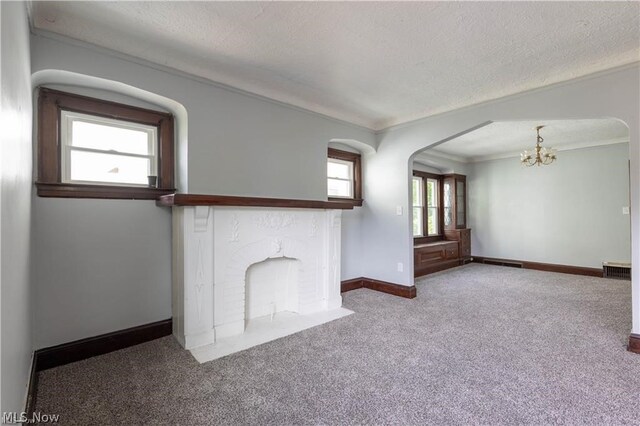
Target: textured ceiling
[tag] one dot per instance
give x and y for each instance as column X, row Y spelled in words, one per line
column 509, row 138
column 371, row 63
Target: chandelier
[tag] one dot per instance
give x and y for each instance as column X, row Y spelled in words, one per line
column 540, row 155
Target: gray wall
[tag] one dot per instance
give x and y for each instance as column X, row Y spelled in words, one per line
column 106, row 263
column 351, row 244
column 102, row 265
column 567, row 213
column 15, row 206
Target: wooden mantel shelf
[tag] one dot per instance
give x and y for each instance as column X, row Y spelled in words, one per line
column 228, row 200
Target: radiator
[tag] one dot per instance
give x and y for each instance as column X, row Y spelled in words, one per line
column 616, row 270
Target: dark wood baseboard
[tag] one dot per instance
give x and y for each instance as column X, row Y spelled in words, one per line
column 395, row 289
column 549, row 267
column 351, row 284
column 99, row 345
column 634, row 343
column 382, row 286
column 30, row 406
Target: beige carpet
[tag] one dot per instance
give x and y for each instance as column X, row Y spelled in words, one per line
column 479, row 345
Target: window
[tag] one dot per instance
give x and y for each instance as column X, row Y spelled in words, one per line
column 340, row 178
column 344, row 176
column 432, row 206
column 104, row 151
column 418, row 206
column 98, row 149
column 426, row 196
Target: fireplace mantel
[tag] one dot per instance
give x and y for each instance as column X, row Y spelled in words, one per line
column 177, row 199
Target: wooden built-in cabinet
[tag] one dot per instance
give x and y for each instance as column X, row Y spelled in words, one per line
column 453, row 251
column 463, row 237
column 455, row 246
column 434, row 257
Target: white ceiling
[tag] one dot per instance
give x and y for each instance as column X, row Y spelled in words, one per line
column 509, row 138
column 371, row 63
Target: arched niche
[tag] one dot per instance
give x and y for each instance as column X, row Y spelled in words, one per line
column 92, row 84
column 352, row 145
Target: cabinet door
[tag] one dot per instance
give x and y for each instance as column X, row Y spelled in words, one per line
column 455, row 202
column 465, row 243
column 448, row 201
column 452, row 251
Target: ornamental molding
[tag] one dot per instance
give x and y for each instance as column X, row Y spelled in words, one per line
column 273, row 220
column 235, row 229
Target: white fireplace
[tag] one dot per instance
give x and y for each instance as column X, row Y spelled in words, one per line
column 238, row 266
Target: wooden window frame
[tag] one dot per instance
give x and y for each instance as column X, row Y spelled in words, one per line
column 356, row 159
column 425, row 217
column 49, row 181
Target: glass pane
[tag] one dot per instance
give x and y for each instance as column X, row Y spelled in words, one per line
column 417, row 221
column 448, row 216
column 104, row 137
column 338, row 170
column 448, row 196
column 432, row 218
column 460, row 213
column 96, row 167
column 416, row 192
column 432, row 192
column 339, row 188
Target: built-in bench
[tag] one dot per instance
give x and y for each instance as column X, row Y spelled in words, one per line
column 444, row 254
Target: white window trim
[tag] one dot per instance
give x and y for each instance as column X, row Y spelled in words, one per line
column 66, row 120
column 351, row 179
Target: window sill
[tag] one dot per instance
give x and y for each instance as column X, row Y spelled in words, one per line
column 426, row 240
column 70, row 190
column 355, row 202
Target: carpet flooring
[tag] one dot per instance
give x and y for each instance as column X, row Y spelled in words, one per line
column 479, row 345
